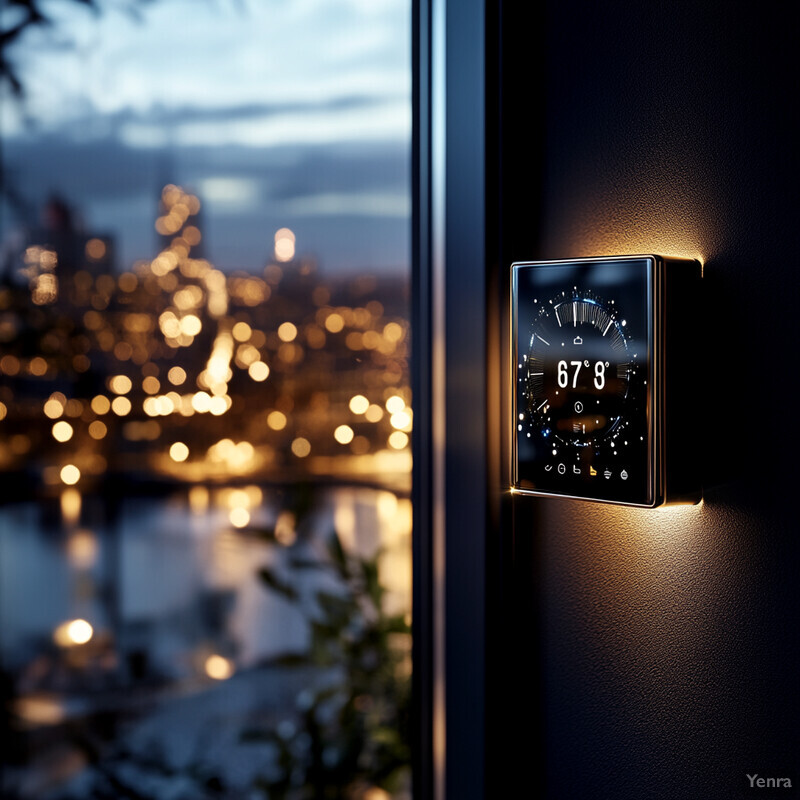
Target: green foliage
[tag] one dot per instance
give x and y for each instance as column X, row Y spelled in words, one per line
column 351, row 734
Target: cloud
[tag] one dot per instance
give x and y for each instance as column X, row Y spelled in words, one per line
column 348, row 201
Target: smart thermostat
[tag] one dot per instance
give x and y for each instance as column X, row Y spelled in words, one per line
column 605, row 362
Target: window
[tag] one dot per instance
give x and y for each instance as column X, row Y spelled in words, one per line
column 205, row 410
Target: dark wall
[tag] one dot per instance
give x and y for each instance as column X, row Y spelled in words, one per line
column 667, row 641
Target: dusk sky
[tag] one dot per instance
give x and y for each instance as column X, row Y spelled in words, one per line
column 276, row 113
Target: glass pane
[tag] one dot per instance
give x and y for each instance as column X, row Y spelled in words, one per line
column 205, row 521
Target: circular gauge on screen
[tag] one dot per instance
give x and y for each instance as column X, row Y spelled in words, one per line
column 578, row 368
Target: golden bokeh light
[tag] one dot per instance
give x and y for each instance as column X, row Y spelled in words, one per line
column 334, row 322
column 219, row 668
column 219, row 405
column 201, row 402
column 121, row 406
column 258, row 371
column 301, row 447
column 276, row 420
column 239, row 517
column 393, row 332
column 398, row 440
column 359, row 404
column 287, row 332
column 191, row 325
column 401, row 420
column 284, row 245
column 178, row 452
column 176, row 376
column 376, row 793
column 95, row 249
column 73, row 407
column 53, row 408
column 120, row 384
column 343, row 434
column 71, row 503
column 37, row 366
column 128, row 282
column 62, row 431
column 72, row 633
column 241, row 331
column 101, row 404
column 374, row 413
column 97, row 429
column 70, row 474
column 151, row 385
column 395, row 403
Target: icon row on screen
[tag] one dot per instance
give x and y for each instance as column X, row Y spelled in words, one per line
column 575, row 470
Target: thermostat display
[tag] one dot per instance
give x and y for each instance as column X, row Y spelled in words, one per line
column 588, row 367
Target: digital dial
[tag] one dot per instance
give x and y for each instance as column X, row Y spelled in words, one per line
column 577, row 370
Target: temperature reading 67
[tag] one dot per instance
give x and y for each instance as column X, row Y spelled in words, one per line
column 563, row 374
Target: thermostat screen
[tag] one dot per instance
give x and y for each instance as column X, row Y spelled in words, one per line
column 582, row 412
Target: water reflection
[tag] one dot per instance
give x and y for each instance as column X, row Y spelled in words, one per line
column 161, row 626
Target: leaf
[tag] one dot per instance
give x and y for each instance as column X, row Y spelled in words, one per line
column 289, row 660
column 306, row 563
column 337, row 553
column 338, row 609
column 369, row 569
column 278, row 585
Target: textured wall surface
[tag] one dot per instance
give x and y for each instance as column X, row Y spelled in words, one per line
column 669, row 639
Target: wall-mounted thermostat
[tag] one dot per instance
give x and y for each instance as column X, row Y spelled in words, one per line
column 605, row 366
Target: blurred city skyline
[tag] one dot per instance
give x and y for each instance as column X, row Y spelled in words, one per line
column 305, row 125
